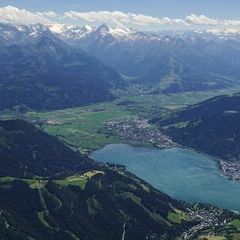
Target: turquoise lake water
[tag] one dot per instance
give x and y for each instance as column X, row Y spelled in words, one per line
column 183, row 174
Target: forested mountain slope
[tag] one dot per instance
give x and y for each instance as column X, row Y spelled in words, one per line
column 45, row 73
column 211, row 126
column 50, row 192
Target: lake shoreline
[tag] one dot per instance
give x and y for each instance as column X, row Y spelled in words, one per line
column 182, row 173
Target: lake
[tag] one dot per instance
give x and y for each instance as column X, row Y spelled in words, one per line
column 181, row 173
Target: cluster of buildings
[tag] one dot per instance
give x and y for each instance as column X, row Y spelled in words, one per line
column 44, row 122
column 231, row 170
column 207, row 219
column 139, row 130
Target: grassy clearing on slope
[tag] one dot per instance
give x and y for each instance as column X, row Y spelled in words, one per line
column 177, row 216
column 75, row 180
column 37, row 184
column 78, row 180
column 33, row 182
column 7, row 179
column 211, row 238
column 236, row 224
column 41, row 217
column 236, row 236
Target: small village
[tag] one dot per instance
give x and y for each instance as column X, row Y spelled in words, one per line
column 139, row 130
column 231, row 170
column 206, row 219
column 41, row 122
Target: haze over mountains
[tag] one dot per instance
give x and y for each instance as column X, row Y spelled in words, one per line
column 40, row 71
column 164, row 62
column 173, row 61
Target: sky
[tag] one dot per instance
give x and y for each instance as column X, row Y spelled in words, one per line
column 147, row 14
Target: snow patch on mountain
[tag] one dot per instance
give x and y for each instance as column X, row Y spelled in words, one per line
column 70, row 33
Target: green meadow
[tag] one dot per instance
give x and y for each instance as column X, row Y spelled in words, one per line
column 82, row 127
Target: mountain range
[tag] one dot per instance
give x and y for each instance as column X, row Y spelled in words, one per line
column 40, row 71
column 161, row 62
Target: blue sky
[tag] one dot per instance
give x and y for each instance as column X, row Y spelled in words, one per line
column 144, row 14
column 159, row 8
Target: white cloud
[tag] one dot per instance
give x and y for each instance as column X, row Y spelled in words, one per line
column 201, row 20
column 232, row 23
column 10, row 14
column 117, row 18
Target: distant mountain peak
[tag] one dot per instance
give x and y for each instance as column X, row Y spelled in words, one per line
column 103, row 30
column 49, row 41
column 103, row 26
column 88, row 27
column 71, row 31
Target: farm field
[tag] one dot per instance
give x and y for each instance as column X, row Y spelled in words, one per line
column 82, row 127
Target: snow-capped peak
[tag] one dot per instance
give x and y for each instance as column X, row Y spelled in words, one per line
column 225, row 31
column 57, row 28
column 119, row 32
column 37, row 29
column 88, row 28
column 14, row 34
column 116, row 32
column 71, row 31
